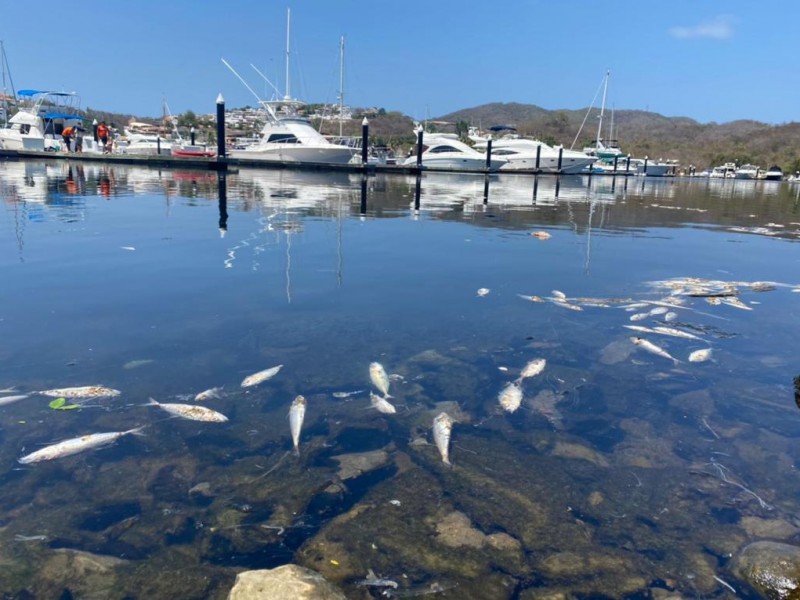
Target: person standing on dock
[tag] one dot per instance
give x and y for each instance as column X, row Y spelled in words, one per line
column 102, row 135
column 66, row 135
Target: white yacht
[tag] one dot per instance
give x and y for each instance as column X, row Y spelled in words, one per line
column 149, row 144
column 446, row 151
column 41, row 118
column 747, row 172
column 521, row 155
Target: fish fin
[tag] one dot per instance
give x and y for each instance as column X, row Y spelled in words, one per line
column 137, row 431
column 152, row 402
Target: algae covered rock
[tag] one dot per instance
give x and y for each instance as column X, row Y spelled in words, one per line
column 283, row 583
column 771, row 568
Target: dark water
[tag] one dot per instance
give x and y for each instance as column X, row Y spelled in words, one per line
column 623, row 474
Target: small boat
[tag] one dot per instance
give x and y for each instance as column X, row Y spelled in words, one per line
column 774, row 173
column 746, row 172
column 192, row 151
column 446, row 151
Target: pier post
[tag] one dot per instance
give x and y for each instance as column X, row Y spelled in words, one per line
column 220, row 126
column 628, row 165
column 486, row 187
column 94, row 130
column 560, row 158
column 191, row 134
column 364, row 141
column 488, row 161
column 645, row 165
column 535, row 186
column 417, row 191
column 158, row 144
column 616, row 159
column 558, row 184
column 419, row 148
column 363, row 208
column 538, row 156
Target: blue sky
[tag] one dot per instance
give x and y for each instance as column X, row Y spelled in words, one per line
column 708, row 60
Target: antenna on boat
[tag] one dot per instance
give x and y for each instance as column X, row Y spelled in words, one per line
column 341, row 85
column 244, row 83
column 288, row 95
column 602, row 110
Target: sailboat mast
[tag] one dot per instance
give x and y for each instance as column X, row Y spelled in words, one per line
column 288, row 25
column 341, row 86
column 602, row 110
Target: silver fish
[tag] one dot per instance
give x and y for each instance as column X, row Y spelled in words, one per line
column 675, row 333
column 346, row 394
column 559, row 294
column 379, row 378
column 190, row 411
column 209, row 394
column 670, row 316
column 533, row 368
column 297, row 412
column 535, row 298
column 659, row 310
column 700, row 355
column 11, row 399
column 483, row 292
column 442, row 426
column 76, row 445
column 639, row 316
column 261, row 376
column 735, row 302
column 639, row 328
column 373, row 580
column 382, row 405
column 84, row 392
column 653, row 349
column 564, row 304
column 510, row 397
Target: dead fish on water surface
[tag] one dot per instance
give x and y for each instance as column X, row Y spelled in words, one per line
column 483, row 292
column 11, row 399
column 533, row 368
column 373, row 580
column 442, row 427
column 190, row 411
column 379, row 378
column 84, row 392
column 653, row 349
column 382, row 405
column 297, row 412
column 510, row 397
column 341, row 395
column 675, row 333
column 209, row 394
column 700, row 355
column 261, row 376
column 76, row 445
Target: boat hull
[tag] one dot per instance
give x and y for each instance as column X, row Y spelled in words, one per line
column 547, row 164
column 338, row 155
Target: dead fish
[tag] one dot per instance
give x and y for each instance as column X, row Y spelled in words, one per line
column 735, row 302
column 261, row 376
column 659, row 310
column 639, row 328
column 190, row 411
column 540, row 235
column 567, row 305
column 8, row 390
column 714, row 301
column 510, row 397
column 700, row 355
column 209, row 394
column 11, row 399
column 653, row 349
column 379, row 378
column 559, row 294
column 297, row 412
column 533, row 368
column 84, row 392
column 483, row 292
column 442, row 426
column 373, row 580
column 76, row 445
column 347, row 394
column 675, row 333
column 29, row 538
column 382, row 405
column 135, row 364
column 639, row 316
column 635, row 306
column 535, row 298
column 670, row 316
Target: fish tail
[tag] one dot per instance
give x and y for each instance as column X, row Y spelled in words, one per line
column 152, row 402
column 136, row 431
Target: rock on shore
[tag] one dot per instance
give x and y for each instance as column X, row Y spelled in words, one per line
column 287, row 582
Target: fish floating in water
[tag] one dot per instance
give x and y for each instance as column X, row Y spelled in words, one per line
column 510, row 397
column 373, row 580
column 483, row 292
column 11, row 399
column 653, row 349
column 382, row 405
column 76, row 445
column 531, row 298
column 541, row 235
column 700, row 355
column 347, row 394
column 675, row 333
column 297, row 412
column 261, row 376
column 533, row 368
column 190, row 411
column 442, row 427
column 379, row 378
column 83, row 393
column 209, row 394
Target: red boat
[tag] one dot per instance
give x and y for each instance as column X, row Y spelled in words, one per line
column 190, row 151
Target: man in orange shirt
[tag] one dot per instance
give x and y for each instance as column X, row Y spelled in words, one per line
column 66, row 135
column 102, row 135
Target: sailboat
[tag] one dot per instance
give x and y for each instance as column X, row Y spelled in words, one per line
column 608, row 149
column 288, row 136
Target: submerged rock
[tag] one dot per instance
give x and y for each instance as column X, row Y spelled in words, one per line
column 771, row 568
column 357, row 463
column 282, row 583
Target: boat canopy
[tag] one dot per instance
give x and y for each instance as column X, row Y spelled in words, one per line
column 37, row 92
column 62, row 116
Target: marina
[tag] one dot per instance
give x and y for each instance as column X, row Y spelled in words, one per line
column 605, row 468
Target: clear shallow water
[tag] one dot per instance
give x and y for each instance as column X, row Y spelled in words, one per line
column 622, row 473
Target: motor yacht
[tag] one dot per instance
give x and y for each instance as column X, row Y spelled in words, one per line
column 746, row 172
column 41, row 118
column 446, row 151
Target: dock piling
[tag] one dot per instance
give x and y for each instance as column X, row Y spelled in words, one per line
column 419, row 148
column 628, row 165
column 538, row 156
column 365, row 142
column 94, row 130
column 223, row 203
column 488, row 158
column 220, row 126
column 191, row 134
column 560, row 158
column 645, row 165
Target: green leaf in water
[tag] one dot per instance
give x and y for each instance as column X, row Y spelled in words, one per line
column 58, row 403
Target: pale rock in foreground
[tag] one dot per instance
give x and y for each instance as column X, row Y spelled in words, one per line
column 283, row 583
